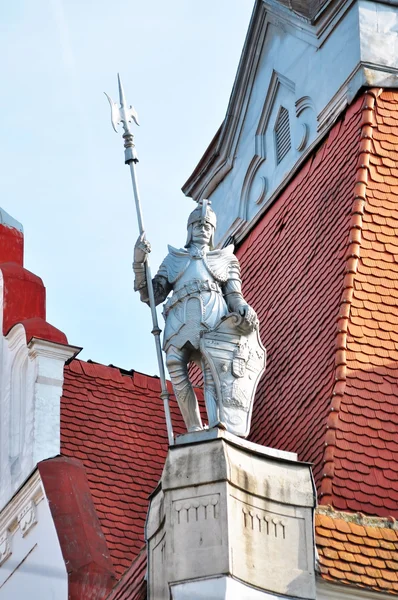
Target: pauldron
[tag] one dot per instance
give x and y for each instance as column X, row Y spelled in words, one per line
column 219, row 263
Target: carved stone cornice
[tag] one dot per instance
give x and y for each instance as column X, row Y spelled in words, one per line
column 20, row 513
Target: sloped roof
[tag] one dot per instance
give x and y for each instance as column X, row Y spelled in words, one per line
column 113, row 422
column 361, row 461
column 357, row 550
column 133, row 585
column 325, row 254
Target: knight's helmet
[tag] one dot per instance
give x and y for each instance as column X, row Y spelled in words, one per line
column 205, row 214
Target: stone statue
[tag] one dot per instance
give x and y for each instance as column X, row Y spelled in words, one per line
column 208, row 322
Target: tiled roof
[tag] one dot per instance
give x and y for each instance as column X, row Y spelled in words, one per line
column 133, row 584
column 320, row 269
column 293, row 269
column 326, row 256
column 114, row 424
column 361, row 461
column 357, row 550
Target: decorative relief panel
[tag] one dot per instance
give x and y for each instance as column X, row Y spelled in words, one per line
column 262, row 523
column 199, row 509
column 196, row 524
column 284, row 128
column 5, row 547
column 273, row 531
column 27, row 518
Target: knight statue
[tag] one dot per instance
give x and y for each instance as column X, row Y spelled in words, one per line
column 208, row 322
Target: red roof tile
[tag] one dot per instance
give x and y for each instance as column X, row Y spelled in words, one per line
column 133, row 585
column 321, row 270
column 113, row 422
column 365, row 439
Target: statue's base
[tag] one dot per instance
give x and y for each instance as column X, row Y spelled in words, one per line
column 206, row 435
column 230, row 519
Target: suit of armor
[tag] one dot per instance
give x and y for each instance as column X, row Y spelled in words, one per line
column 206, row 286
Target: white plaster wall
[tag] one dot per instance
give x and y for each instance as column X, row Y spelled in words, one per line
column 31, row 379
column 35, row 569
column 17, row 377
column 219, row 588
column 378, row 34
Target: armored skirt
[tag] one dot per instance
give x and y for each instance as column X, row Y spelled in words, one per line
column 193, row 314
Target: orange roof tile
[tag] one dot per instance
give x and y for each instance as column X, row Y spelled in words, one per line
column 351, row 550
column 365, row 439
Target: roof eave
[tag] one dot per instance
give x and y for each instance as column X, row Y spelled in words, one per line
column 216, row 155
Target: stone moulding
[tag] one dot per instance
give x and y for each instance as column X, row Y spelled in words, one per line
column 5, row 548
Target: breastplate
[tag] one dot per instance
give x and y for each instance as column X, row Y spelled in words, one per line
column 196, row 270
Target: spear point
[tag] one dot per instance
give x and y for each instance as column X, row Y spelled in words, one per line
column 124, row 114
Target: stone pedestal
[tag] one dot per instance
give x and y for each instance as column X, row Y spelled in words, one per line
column 231, row 519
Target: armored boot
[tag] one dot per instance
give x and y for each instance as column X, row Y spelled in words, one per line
column 176, row 360
column 189, row 407
column 212, row 408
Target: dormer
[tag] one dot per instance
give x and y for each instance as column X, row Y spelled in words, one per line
column 301, row 65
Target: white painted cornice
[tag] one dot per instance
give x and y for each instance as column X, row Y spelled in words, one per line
column 31, row 381
column 334, row 591
column 31, row 491
column 47, row 349
column 220, row 155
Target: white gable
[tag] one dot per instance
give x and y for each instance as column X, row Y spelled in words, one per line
column 312, row 69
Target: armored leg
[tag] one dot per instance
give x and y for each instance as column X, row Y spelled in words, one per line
column 210, row 394
column 177, row 364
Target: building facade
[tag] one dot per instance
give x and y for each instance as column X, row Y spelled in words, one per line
column 303, row 177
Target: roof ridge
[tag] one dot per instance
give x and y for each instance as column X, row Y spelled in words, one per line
column 128, row 372
column 352, row 259
column 358, row 518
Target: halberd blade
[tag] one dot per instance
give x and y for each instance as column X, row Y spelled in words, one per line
column 115, row 113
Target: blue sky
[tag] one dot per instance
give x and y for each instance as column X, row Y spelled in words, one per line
column 62, row 170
